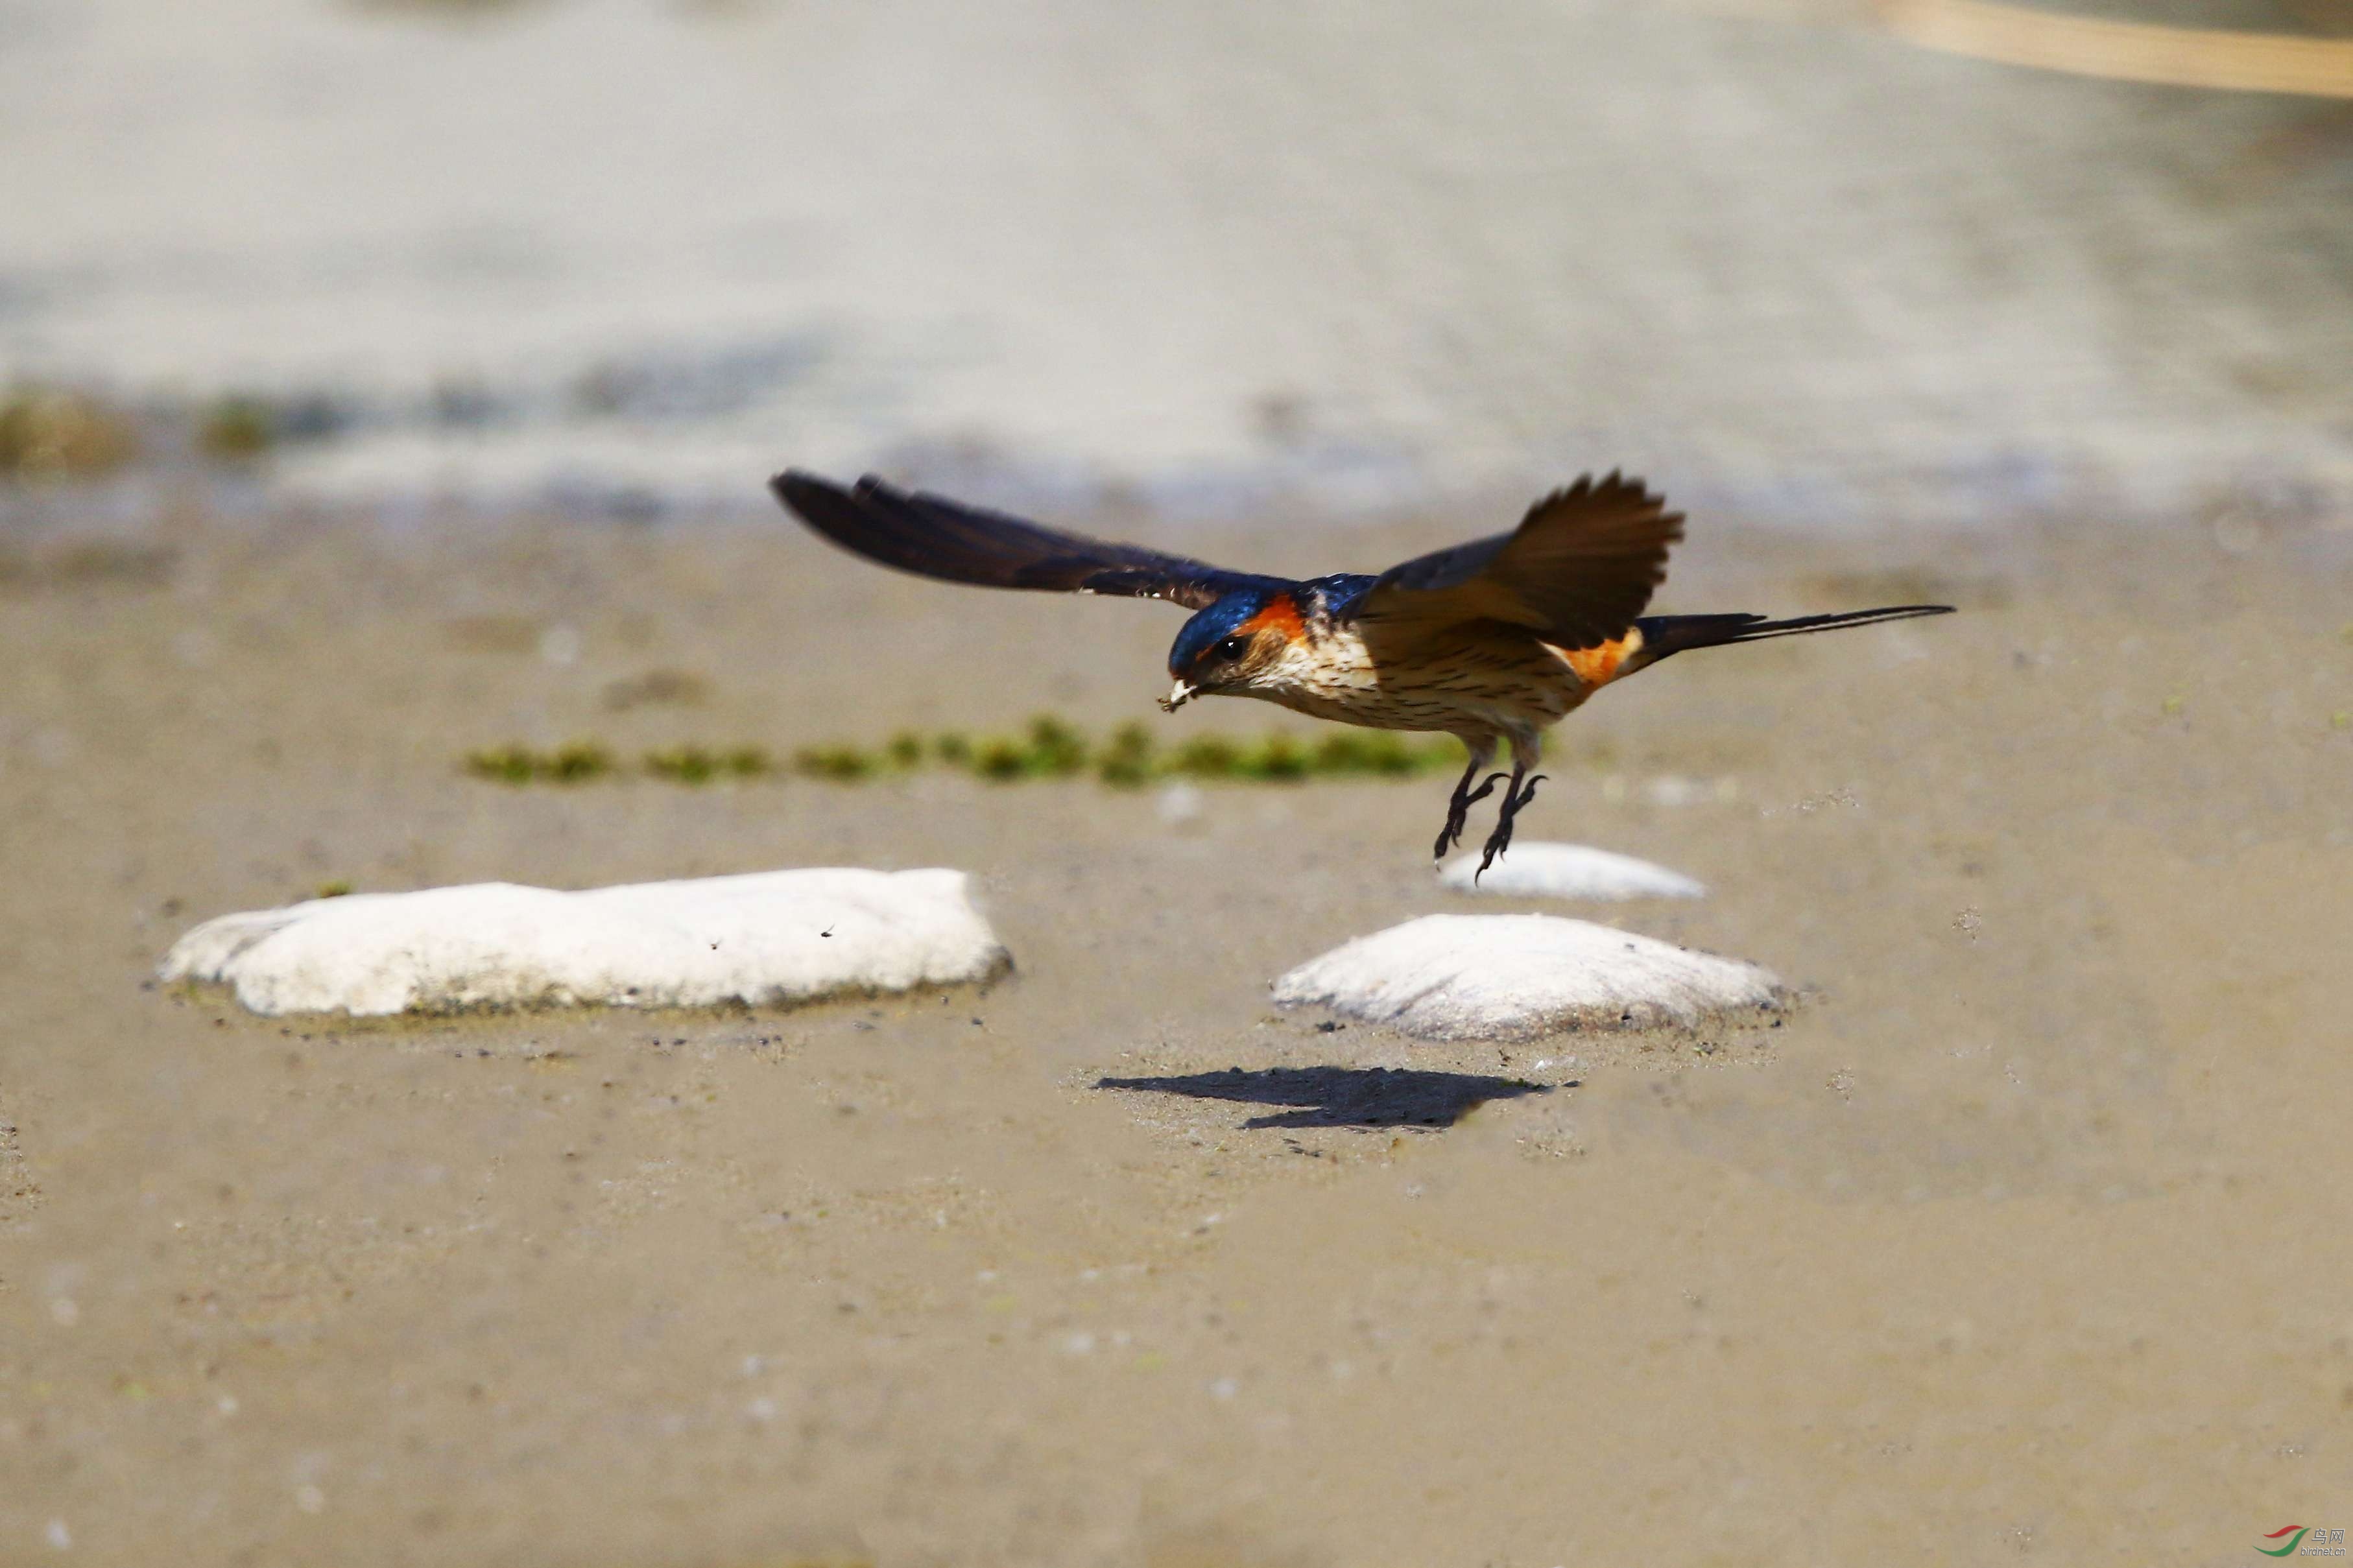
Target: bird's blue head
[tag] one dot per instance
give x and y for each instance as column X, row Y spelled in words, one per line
column 1228, row 645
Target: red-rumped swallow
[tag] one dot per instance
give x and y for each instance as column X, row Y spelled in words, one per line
column 1493, row 642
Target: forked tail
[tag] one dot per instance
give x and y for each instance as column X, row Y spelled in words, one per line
column 1664, row 634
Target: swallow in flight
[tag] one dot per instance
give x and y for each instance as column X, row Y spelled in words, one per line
column 1493, row 641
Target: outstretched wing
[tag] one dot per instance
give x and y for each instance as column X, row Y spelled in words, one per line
column 1576, row 571
column 933, row 537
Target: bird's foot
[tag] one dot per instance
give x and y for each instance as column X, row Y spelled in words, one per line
column 1458, row 812
column 1501, row 839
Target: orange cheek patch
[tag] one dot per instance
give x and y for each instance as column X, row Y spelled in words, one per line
column 1280, row 613
column 1595, row 666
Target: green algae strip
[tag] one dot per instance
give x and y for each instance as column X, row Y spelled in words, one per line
column 1050, row 748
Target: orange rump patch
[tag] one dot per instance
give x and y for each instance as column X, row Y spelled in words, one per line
column 1282, row 612
column 1598, row 666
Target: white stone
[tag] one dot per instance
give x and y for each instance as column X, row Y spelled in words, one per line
column 765, row 938
column 1541, row 871
column 1515, row 977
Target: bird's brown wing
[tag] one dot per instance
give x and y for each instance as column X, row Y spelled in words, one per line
column 932, row 536
column 1576, row 571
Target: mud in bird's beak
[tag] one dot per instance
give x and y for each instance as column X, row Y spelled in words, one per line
column 1178, row 695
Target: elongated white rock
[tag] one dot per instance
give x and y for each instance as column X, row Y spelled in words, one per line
column 765, row 938
column 1541, row 871
column 1514, row 977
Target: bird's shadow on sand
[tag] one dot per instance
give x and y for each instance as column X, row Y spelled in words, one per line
column 1341, row 1097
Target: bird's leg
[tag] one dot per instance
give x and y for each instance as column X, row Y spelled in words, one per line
column 1458, row 808
column 1514, row 797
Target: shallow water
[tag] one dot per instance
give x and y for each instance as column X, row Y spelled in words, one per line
column 1200, row 253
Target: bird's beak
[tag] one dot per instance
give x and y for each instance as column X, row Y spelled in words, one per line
column 1180, row 694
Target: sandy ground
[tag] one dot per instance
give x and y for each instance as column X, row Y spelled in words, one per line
column 2023, row 1240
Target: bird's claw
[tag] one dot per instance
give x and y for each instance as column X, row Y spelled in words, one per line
column 1501, row 839
column 1457, row 813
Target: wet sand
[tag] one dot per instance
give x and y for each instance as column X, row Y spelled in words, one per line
column 2022, row 1240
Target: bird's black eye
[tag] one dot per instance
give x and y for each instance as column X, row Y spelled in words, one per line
column 1232, row 647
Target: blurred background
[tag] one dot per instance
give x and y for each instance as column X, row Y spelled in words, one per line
column 1821, row 264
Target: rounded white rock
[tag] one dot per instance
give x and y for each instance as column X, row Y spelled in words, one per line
column 1517, row 977
column 1543, row 870
column 764, row 938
